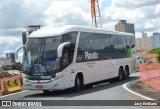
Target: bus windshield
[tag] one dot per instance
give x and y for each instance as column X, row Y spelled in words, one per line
column 41, row 55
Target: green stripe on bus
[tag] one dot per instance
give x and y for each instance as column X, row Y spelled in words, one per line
column 27, row 77
column 128, row 52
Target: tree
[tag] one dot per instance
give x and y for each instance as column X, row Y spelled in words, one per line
column 158, row 57
column 155, row 51
column 16, row 66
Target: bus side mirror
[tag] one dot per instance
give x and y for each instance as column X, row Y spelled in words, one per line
column 60, row 48
column 17, row 50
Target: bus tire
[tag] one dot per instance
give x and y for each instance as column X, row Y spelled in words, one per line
column 121, row 74
column 126, row 73
column 78, row 83
column 45, row 91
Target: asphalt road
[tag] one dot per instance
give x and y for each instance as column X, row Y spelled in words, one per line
column 112, row 91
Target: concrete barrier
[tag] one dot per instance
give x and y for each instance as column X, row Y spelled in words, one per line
column 1, row 87
column 11, row 84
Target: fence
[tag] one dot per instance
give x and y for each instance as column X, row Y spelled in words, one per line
column 150, row 75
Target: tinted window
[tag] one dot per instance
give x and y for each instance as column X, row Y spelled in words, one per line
column 52, row 43
column 130, row 41
column 113, row 42
column 68, row 51
column 105, row 41
column 127, row 41
column 84, row 41
column 133, row 41
column 90, row 41
column 95, row 43
column 49, row 51
column 120, row 42
column 70, row 37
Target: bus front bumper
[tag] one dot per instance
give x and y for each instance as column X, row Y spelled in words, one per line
column 43, row 85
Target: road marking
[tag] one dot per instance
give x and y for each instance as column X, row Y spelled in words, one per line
column 13, row 94
column 142, row 96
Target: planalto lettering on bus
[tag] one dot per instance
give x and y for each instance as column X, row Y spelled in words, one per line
column 91, row 55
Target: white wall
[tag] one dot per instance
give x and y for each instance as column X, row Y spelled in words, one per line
column 5, row 62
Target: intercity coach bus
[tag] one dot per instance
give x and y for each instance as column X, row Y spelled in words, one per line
column 72, row 56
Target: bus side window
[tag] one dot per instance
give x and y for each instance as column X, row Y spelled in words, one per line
column 68, row 51
column 65, row 60
column 84, row 42
column 70, row 37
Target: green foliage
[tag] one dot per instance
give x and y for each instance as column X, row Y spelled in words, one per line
column 16, row 66
column 155, row 51
column 158, row 57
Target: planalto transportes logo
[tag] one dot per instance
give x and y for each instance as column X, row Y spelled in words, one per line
column 87, row 56
column 91, row 55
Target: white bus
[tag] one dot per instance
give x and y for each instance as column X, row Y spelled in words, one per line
column 72, row 56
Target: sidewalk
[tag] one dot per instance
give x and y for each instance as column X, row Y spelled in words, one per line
column 140, row 88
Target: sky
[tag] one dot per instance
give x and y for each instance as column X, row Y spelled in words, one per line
column 15, row 14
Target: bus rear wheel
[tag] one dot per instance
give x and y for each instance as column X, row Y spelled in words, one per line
column 126, row 73
column 78, row 83
column 121, row 74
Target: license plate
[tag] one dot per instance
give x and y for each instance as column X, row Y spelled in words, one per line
column 39, row 86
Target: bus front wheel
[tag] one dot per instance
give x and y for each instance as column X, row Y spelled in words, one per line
column 78, row 83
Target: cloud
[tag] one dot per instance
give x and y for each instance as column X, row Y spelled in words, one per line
column 144, row 14
column 18, row 13
column 15, row 14
column 9, row 40
column 134, row 3
column 9, row 43
column 67, row 12
column 8, row 51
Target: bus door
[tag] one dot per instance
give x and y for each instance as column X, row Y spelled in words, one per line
column 67, row 59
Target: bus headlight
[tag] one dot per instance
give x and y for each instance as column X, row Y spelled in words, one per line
column 25, row 80
column 58, row 76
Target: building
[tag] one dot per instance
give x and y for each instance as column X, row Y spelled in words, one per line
column 144, row 41
column 5, row 62
column 29, row 30
column 123, row 26
column 139, row 53
column 138, row 43
column 141, row 43
column 11, row 57
column 144, row 59
column 148, row 43
column 156, row 40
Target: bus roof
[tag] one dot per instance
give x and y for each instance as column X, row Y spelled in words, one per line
column 55, row 31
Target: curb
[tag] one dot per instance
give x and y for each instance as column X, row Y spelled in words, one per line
column 3, row 96
column 131, row 91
